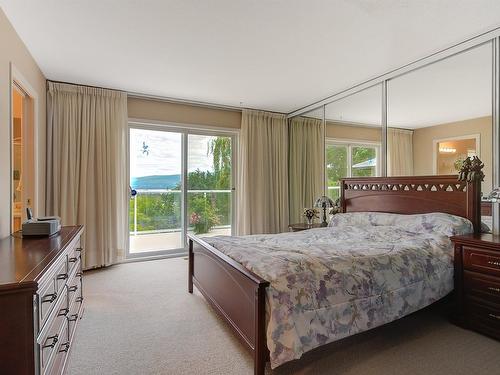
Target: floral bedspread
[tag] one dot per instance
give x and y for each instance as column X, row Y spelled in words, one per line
column 364, row 270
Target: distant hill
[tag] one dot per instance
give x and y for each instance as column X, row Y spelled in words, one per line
column 155, row 182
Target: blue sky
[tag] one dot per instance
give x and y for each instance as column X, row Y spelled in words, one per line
column 164, row 157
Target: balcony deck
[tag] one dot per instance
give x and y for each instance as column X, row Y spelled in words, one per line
column 143, row 243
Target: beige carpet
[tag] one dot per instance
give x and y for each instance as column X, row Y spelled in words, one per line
column 139, row 319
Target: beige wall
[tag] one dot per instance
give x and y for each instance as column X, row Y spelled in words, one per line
column 423, row 144
column 156, row 110
column 14, row 51
column 343, row 131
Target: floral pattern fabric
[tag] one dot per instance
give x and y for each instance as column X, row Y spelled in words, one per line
column 364, row 270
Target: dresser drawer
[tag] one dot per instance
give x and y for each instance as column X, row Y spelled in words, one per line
column 481, row 260
column 51, row 288
column 483, row 317
column 74, row 256
column 75, row 313
column 53, row 334
column 482, row 286
column 74, row 286
column 60, row 354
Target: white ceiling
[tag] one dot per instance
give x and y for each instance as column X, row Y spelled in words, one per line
column 277, row 55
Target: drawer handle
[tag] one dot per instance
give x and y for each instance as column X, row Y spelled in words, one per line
column 73, row 288
column 494, row 289
column 494, row 263
column 54, row 339
column 74, row 317
column 65, row 349
column 63, row 312
column 62, row 276
column 79, row 299
column 79, row 249
column 72, row 259
column 79, row 274
column 49, row 297
column 494, row 316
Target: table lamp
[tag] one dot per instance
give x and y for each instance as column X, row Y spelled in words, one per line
column 324, row 203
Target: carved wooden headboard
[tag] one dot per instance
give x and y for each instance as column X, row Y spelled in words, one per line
column 413, row 195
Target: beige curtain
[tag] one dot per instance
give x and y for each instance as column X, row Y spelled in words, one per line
column 399, row 152
column 86, row 163
column 306, row 165
column 262, row 188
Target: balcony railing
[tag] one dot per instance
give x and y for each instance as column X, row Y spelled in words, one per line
column 143, row 193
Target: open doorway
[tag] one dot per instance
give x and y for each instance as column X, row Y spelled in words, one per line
column 22, row 155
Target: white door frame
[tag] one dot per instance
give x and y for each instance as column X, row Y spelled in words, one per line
column 476, row 136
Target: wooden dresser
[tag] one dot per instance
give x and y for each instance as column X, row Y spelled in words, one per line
column 40, row 301
column 477, row 282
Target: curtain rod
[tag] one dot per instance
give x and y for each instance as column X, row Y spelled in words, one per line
column 166, row 99
column 184, row 101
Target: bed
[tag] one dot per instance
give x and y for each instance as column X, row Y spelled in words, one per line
column 321, row 285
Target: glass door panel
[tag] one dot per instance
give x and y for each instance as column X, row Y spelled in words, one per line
column 209, row 182
column 336, row 168
column 155, row 215
column 364, row 161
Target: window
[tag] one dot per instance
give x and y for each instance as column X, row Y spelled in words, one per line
column 345, row 159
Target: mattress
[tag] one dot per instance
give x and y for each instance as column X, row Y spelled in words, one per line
column 364, row 270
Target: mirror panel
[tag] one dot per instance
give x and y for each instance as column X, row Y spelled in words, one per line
column 440, row 114
column 353, row 138
column 305, row 162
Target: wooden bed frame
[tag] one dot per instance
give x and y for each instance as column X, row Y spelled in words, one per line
column 238, row 294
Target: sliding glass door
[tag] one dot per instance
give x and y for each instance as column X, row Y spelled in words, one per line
column 209, row 181
column 181, row 181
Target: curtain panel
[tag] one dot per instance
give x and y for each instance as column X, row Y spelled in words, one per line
column 86, row 167
column 262, row 173
column 306, row 164
column 399, row 152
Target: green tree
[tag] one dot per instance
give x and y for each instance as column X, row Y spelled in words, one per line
column 336, row 164
column 362, row 154
column 220, row 149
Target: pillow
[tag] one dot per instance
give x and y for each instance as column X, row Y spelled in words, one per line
column 364, row 219
column 436, row 222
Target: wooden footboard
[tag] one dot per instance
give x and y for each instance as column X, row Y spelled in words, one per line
column 237, row 294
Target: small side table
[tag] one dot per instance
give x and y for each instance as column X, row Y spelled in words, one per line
column 303, row 226
column 477, row 282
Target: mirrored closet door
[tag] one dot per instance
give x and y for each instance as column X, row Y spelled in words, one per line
column 441, row 114
column 353, row 142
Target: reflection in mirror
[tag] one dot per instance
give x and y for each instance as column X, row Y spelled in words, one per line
column 305, row 163
column 353, row 138
column 441, row 114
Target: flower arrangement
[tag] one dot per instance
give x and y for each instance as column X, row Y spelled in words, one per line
column 310, row 214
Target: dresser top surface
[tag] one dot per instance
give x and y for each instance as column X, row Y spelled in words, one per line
column 23, row 260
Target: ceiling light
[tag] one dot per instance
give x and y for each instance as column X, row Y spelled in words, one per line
column 447, row 150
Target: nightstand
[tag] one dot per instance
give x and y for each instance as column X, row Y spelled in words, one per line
column 477, row 282
column 303, row 226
